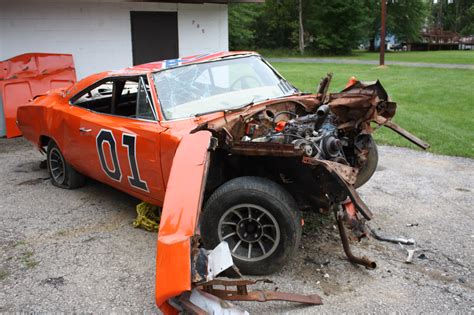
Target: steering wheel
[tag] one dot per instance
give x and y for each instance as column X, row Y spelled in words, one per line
column 244, row 81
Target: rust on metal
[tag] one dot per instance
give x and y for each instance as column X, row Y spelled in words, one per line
column 241, row 292
column 190, row 307
column 348, row 173
column 402, row 132
column 262, row 149
column 364, row 261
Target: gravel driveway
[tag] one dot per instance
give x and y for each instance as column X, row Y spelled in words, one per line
column 76, row 251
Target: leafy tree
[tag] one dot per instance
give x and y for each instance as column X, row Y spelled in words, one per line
column 457, row 16
column 330, row 26
column 278, row 24
column 335, row 26
column 405, row 19
column 242, row 25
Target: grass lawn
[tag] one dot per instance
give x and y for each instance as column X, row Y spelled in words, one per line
column 451, row 57
column 437, row 105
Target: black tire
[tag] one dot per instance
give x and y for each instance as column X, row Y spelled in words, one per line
column 270, row 209
column 370, row 165
column 62, row 174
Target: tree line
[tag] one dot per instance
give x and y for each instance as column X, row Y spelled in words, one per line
column 338, row 26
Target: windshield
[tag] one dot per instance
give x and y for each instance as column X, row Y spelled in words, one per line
column 219, row 85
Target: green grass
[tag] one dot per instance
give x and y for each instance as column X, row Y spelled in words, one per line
column 3, row 274
column 437, row 105
column 450, row 57
column 28, row 259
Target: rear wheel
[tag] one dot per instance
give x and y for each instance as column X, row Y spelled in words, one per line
column 258, row 219
column 62, row 174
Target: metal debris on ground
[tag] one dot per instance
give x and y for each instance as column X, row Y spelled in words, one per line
column 410, row 253
column 392, row 239
column 148, row 217
column 209, row 295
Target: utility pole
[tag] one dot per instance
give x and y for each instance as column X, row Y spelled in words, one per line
column 382, row 32
column 301, row 33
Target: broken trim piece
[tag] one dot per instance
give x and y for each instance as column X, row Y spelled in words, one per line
column 241, row 292
column 402, row 132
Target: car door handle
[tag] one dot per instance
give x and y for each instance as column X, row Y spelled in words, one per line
column 84, row 129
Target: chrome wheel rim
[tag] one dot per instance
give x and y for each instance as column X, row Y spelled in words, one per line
column 251, row 231
column 57, row 166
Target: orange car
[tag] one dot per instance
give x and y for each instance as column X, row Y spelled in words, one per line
column 225, row 131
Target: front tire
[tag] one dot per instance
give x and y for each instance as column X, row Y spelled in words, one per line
column 368, row 169
column 62, row 174
column 258, row 219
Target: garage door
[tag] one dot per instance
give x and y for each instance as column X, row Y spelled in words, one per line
column 154, row 36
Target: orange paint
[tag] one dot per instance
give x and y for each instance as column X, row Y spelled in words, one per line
column 179, row 217
column 170, row 160
column 351, row 82
column 280, row 125
column 25, row 76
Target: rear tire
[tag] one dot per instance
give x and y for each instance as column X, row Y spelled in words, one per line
column 258, row 219
column 62, row 174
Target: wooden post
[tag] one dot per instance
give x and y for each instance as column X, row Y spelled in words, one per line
column 382, row 32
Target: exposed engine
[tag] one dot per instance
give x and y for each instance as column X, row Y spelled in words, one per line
column 315, row 134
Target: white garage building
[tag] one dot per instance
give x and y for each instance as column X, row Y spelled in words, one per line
column 112, row 34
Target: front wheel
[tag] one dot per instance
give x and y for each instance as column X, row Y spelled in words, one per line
column 258, row 219
column 370, row 165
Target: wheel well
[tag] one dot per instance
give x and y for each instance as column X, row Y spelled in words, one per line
column 224, row 167
column 44, row 141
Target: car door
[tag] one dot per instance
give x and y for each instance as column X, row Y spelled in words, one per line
column 119, row 144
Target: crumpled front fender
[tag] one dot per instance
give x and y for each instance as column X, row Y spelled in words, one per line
column 179, row 218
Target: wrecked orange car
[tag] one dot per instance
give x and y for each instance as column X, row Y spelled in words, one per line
column 230, row 150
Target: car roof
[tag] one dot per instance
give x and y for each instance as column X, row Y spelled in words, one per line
column 173, row 63
column 155, row 66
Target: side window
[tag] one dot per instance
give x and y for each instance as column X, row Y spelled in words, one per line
column 144, row 105
column 125, row 102
column 98, row 99
column 125, row 97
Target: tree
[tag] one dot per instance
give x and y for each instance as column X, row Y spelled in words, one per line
column 335, row 26
column 242, row 28
column 278, row 24
column 301, row 27
column 456, row 17
column 327, row 26
column 405, row 19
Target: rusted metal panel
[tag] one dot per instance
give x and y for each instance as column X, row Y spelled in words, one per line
column 402, row 132
column 25, row 76
column 346, row 172
column 262, row 149
column 364, row 261
column 242, row 293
